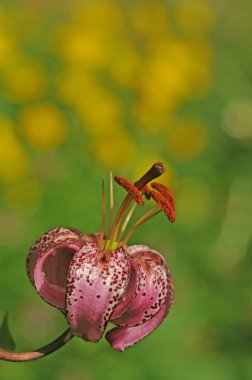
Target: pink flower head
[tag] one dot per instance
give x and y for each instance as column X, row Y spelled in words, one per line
column 99, row 278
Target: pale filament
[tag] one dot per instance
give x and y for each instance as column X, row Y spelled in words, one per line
column 103, row 214
column 155, row 171
column 127, row 219
column 147, row 216
column 111, row 202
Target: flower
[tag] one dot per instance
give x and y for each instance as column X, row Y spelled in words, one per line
column 99, row 278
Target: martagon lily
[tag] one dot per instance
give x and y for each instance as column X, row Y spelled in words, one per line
column 99, row 278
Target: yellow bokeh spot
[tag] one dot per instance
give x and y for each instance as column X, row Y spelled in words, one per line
column 150, row 19
column 186, row 12
column 24, row 80
column 43, row 126
column 153, row 118
column 197, row 71
column 99, row 109
column 84, row 47
column 173, row 72
column 125, row 65
column 101, row 112
column 7, row 47
column 193, row 202
column 105, row 15
column 73, row 84
column 23, row 195
column 115, row 151
column 92, row 34
column 14, row 162
column 187, row 140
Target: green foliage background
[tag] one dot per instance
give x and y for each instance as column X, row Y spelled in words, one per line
column 91, row 86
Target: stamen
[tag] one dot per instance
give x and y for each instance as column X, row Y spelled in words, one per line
column 147, row 216
column 111, row 201
column 103, row 213
column 131, row 189
column 167, row 193
column 164, row 204
column 126, row 222
column 155, row 171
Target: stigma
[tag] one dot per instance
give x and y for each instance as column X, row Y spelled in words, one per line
column 137, row 193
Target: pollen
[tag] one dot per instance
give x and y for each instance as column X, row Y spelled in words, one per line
column 162, row 201
column 167, row 193
column 131, row 189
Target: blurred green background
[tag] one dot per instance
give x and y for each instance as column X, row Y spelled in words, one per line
column 89, row 86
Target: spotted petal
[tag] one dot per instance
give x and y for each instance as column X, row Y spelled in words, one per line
column 95, row 284
column 121, row 337
column 128, row 296
column 48, row 261
column 151, row 288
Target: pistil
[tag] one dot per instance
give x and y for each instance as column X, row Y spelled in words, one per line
column 155, row 171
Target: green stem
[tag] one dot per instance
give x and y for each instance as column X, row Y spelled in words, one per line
column 40, row 352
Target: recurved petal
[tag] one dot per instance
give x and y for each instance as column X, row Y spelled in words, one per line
column 135, row 248
column 95, row 284
column 151, row 288
column 121, row 337
column 48, row 261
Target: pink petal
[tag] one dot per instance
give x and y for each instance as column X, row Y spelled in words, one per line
column 151, row 289
column 127, row 297
column 121, row 338
column 136, row 248
column 48, row 262
column 96, row 282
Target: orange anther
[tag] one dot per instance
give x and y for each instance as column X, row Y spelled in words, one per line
column 131, row 189
column 167, row 193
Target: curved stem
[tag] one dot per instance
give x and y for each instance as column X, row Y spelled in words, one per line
column 40, row 352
